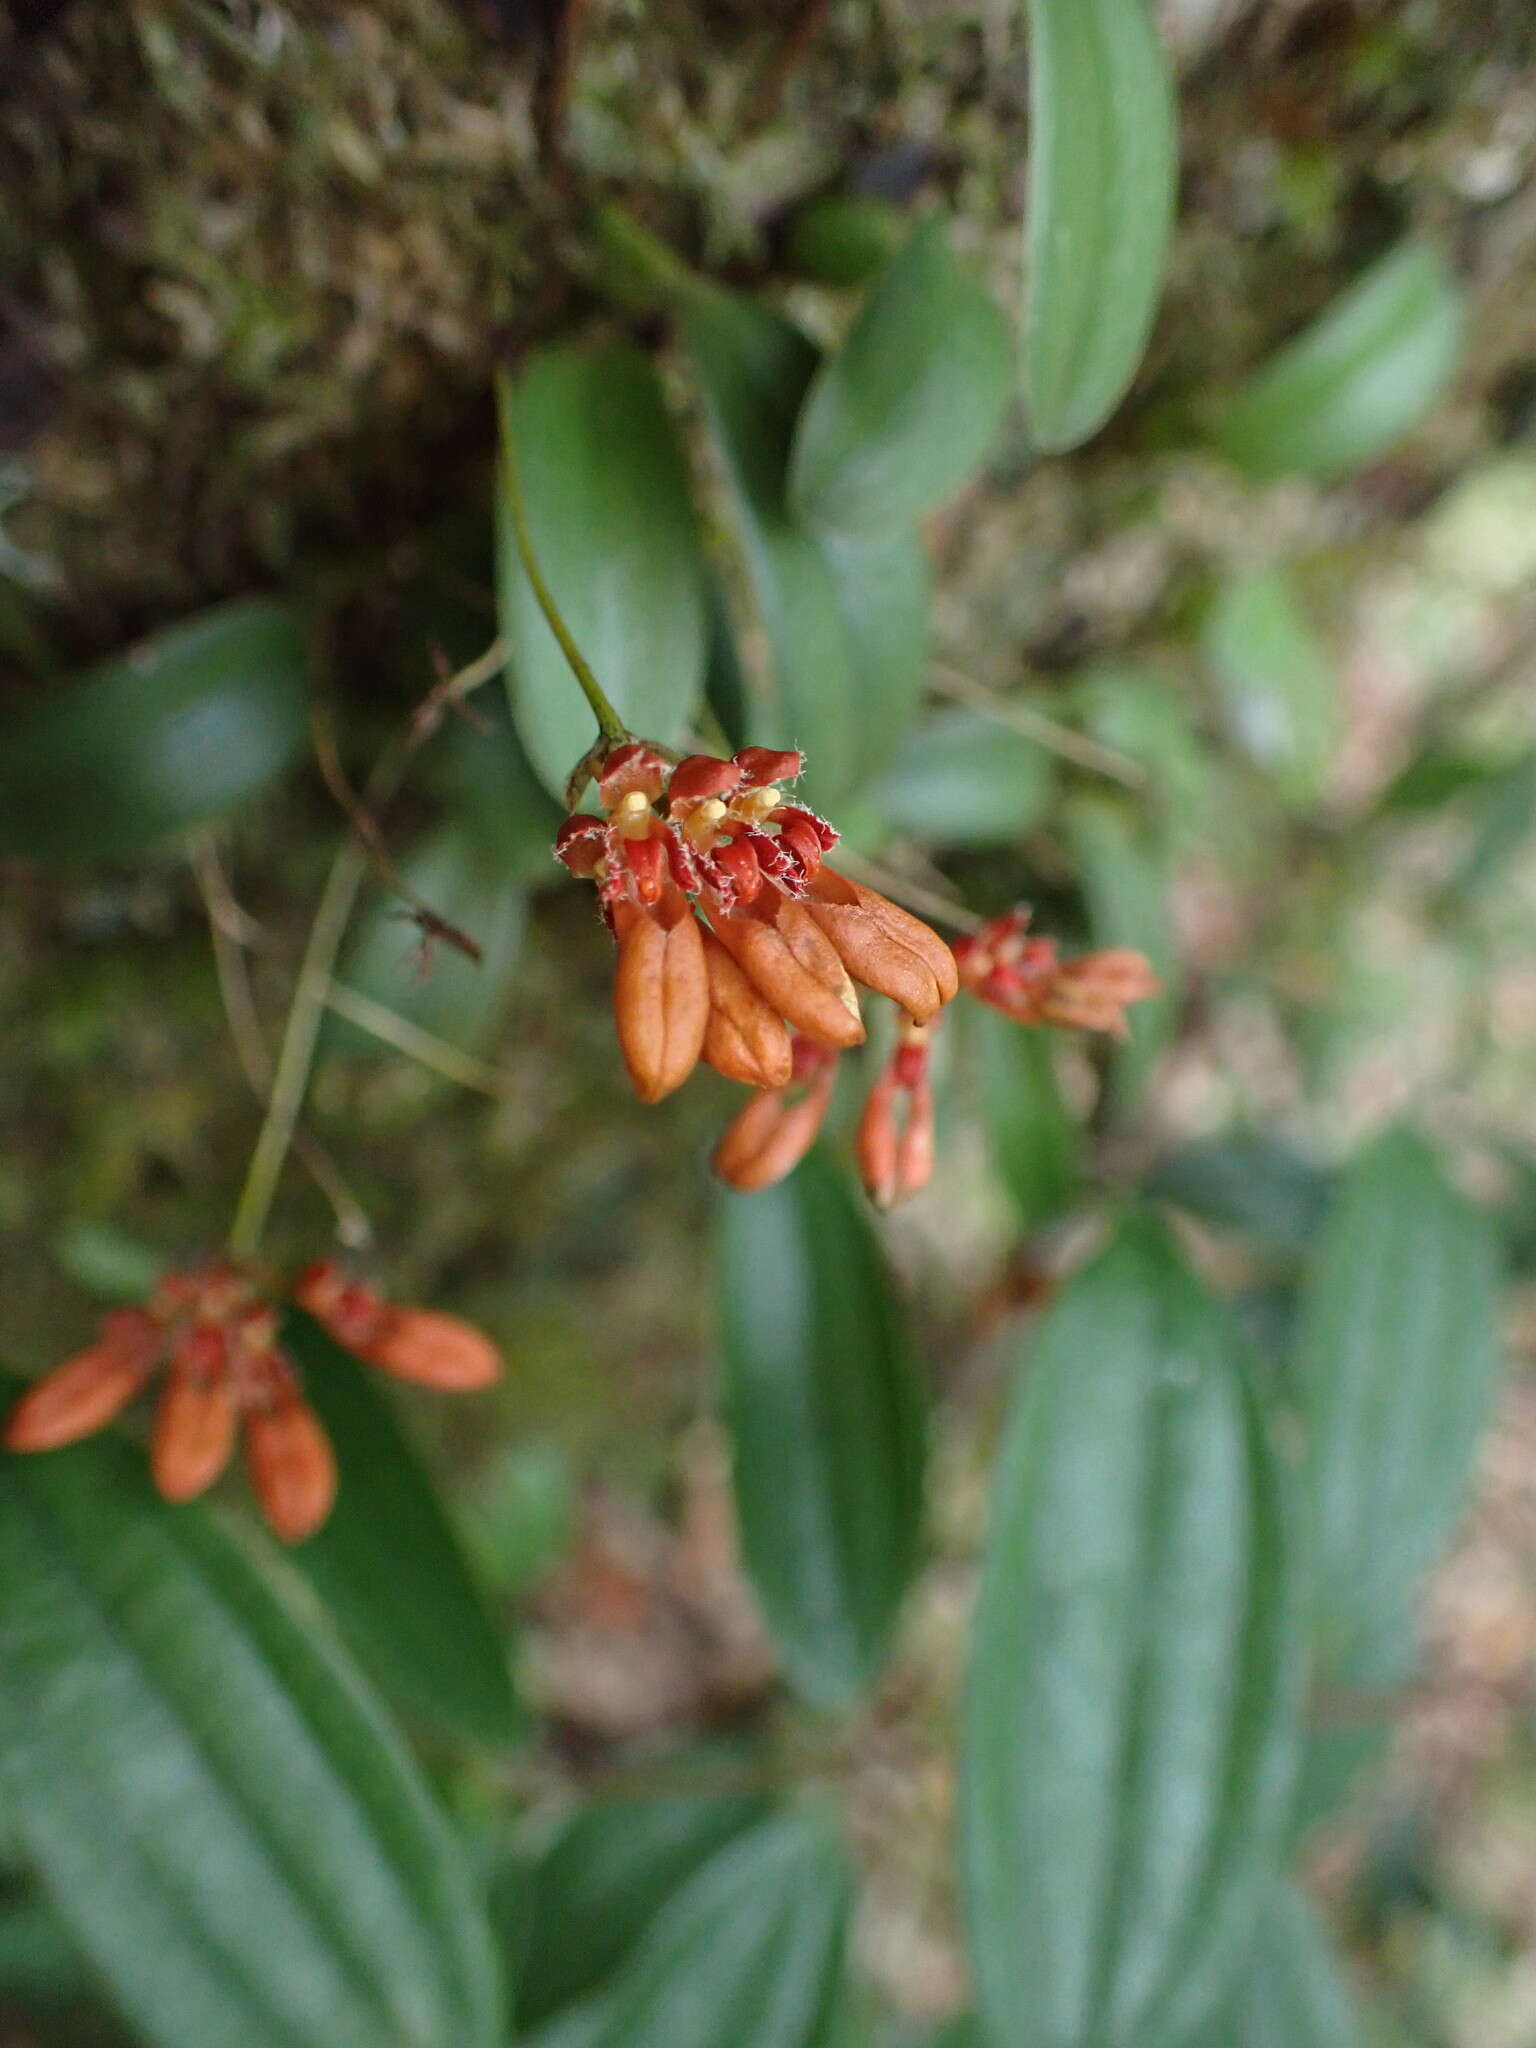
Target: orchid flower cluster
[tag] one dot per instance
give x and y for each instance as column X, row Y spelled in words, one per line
column 739, row 946
column 212, row 1333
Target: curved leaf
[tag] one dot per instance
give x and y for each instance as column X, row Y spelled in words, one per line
column 964, row 780
column 903, row 411
column 225, row 1821
column 603, row 1880
column 616, row 540
column 1397, row 1352
column 161, row 738
column 1133, row 1692
column 458, row 1000
column 388, row 1563
column 753, row 370
column 843, row 238
column 826, row 1414
column 1103, row 168
column 749, row 1953
column 1035, row 1143
column 1360, row 378
column 1282, row 696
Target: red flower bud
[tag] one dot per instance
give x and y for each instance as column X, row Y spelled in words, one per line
column 701, row 776
column 762, row 766
column 660, row 995
column 769, row 1137
column 434, row 1350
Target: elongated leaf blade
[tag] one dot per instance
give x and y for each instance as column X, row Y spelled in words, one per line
column 750, row 1952
column 225, row 1820
column 903, row 411
column 753, row 369
column 615, row 538
column 1035, row 1143
column 826, row 1416
column 882, row 586
column 1397, row 1354
column 963, row 780
column 440, row 991
column 389, row 1564
column 602, row 1882
column 1133, row 1697
column 1293, row 1993
column 1360, row 378
column 1103, row 168
column 178, row 730
column 1281, row 694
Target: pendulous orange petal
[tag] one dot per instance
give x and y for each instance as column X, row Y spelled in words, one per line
column 660, row 997
column 745, row 1038
column 433, row 1350
column 194, row 1432
column 291, row 1465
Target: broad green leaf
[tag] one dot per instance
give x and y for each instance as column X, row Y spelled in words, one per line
column 882, row 587
column 1397, row 1355
column 171, row 733
column 904, row 410
column 38, row 1961
column 223, row 1817
column 1130, row 1730
column 749, row 1952
column 601, row 1883
column 1102, row 173
column 843, row 239
column 437, row 989
column 826, row 1414
column 1280, row 690
column 753, row 369
column 962, row 779
column 1294, row 1992
column 1249, row 1182
column 1360, row 378
column 389, row 1564
column 1035, row 1143
column 1123, row 873
column 615, row 538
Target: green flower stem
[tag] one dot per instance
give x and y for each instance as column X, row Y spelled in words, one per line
column 609, row 724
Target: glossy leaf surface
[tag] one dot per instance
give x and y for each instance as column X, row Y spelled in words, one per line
column 903, row 411
column 1397, row 1355
column 389, row 1564
column 961, row 779
column 615, row 537
column 1102, row 173
column 227, row 1823
column 1360, row 377
column 1130, row 1731
column 826, row 1417
column 177, row 730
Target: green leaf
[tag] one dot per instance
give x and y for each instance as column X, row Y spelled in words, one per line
column 616, row 540
column 961, row 779
column 1102, row 175
column 1124, row 877
column 753, row 369
column 600, row 1885
column 826, row 1414
column 882, row 587
column 175, row 731
column 226, row 1822
column 1035, row 1144
column 1248, row 1182
column 1294, row 1993
column 488, row 785
column 1281, row 694
column 904, row 410
column 459, row 1000
column 389, row 1564
column 1133, row 1694
column 749, row 1953
column 1397, row 1355
column 842, row 238
column 1360, row 378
